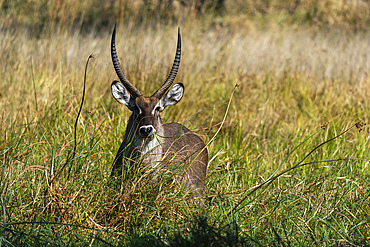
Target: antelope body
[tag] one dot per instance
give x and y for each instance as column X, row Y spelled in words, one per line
column 147, row 140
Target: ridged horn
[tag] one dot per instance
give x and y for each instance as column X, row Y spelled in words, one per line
column 175, row 68
column 117, row 66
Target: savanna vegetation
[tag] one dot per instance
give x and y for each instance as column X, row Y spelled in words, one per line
column 278, row 89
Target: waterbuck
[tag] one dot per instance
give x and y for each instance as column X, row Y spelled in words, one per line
column 149, row 142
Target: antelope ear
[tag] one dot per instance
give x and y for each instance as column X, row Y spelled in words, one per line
column 173, row 96
column 120, row 93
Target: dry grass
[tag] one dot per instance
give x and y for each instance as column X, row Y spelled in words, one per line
column 214, row 56
column 292, row 79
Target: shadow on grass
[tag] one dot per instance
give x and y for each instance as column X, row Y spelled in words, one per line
column 197, row 232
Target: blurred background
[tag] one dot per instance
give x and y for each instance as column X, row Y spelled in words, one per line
column 302, row 67
column 41, row 17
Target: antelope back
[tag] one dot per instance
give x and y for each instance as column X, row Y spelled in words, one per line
column 188, row 154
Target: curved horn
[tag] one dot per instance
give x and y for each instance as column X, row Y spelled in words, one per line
column 130, row 88
column 175, row 67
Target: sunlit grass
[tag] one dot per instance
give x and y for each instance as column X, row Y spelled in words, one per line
column 293, row 82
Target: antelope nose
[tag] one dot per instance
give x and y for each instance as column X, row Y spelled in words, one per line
column 146, row 131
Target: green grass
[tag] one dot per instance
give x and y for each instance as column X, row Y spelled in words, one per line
column 300, row 85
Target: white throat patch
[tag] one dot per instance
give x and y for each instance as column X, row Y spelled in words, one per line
column 151, row 150
column 149, row 145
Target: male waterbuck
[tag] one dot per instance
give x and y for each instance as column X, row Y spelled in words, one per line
column 147, row 141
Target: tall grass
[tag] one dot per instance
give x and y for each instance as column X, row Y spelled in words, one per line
column 299, row 85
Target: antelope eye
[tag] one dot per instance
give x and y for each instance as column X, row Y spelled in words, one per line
column 137, row 109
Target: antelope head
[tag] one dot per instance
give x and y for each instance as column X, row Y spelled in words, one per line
column 145, row 110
